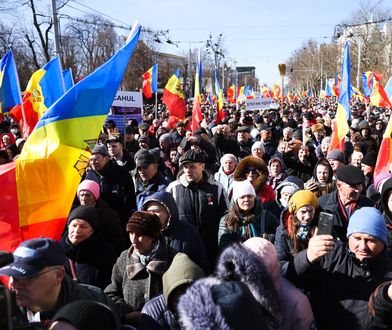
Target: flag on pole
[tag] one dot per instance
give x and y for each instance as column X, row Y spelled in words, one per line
column 9, row 83
column 388, row 89
column 328, row 89
column 219, row 103
column 341, row 128
column 173, row 97
column 68, row 78
column 385, row 153
column 40, row 186
column 150, row 81
column 197, row 115
column 230, row 93
column 379, row 97
column 45, row 87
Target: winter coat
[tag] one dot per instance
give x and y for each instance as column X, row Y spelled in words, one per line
column 157, row 183
column 385, row 193
column 156, row 312
column 330, row 204
column 180, row 236
column 117, row 189
column 263, row 190
column 295, row 307
column 380, row 306
column 295, row 167
column 259, row 224
column 92, row 260
column 340, row 285
column 202, row 205
column 226, row 180
column 127, row 161
column 71, row 291
column 330, row 185
column 133, row 284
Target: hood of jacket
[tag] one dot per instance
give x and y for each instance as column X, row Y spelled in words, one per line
column 182, row 271
column 167, row 200
column 291, row 181
column 326, row 163
column 237, row 263
column 259, row 164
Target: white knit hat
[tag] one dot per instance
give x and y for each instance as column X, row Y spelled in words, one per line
column 230, row 157
column 242, row 188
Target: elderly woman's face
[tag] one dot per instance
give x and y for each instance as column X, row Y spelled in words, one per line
column 79, row 230
column 257, row 152
column 228, row 166
column 141, row 243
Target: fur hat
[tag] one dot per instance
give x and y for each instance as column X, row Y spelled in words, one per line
column 90, row 186
column 302, row 198
column 237, row 263
column 144, row 223
column 242, row 188
column 259, row 164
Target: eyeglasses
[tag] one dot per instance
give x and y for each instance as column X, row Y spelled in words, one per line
column 29, row 280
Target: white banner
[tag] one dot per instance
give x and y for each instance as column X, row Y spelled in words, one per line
column 260, row 104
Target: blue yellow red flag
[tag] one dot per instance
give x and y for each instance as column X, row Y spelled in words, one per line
column 9, row 83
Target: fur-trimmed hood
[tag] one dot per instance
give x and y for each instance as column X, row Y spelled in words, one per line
column 259, row 164
column 237, row 263
column 211, row 303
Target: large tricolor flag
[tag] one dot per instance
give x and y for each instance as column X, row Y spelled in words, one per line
column 38, row 189
column 385, row 152
column 150, row 81
column 173, row 97
column 9, row 83
column 341, row 128
column 197, row 115
column 45, row 87
column 68, row 79
column 379, row 97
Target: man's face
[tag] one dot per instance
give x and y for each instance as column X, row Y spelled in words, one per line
column 129, row 137
column 243, row 136
column 36, row 293
column 322, row 173
column 365, row 246
column 114, row 149
column 348, row 193
column 193, row 171
column 318, row 134
column 324, row 147
column 335, row 164
column 228, row 166
column 181, row 130
column 98, row 161
column 173, row 156
column 287, row 135
column 146, row 173
column 265, row 135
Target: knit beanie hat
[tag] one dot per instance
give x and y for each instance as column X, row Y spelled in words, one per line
column 302, row 198
column 88, row 314
column 368, row 220
column 90, row 186
column 144, row 223
column 228, row 157
column 242, row 188
column 100, row 149
column 370, row 159
column 258, row 144
column 86, row 213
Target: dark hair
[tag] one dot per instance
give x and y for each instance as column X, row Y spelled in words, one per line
column 232, row 220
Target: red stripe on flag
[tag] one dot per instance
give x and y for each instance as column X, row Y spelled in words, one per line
column 53, row 228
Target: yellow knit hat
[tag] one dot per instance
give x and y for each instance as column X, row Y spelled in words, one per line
column 302, row 198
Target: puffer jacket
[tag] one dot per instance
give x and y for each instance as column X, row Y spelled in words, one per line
column 226, row 180
column 202, row 205
column 180, row 236
column 261, row 223
column 340, row 286
column 143, row 191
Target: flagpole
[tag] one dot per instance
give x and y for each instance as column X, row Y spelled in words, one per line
column 156, row 105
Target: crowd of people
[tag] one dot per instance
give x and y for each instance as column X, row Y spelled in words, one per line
column 218, row 228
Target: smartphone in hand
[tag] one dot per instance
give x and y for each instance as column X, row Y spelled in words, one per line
column 325, row 224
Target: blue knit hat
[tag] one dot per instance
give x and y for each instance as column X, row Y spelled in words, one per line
column 368, row 220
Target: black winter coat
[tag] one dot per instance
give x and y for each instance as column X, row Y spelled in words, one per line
column 161, row 317
column 330, row 204
column 340, row 286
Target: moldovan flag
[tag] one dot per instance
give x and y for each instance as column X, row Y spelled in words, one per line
column 45, row 87
column 173, row 97
column 197, row 116
column 385, row 153
column 231, row 94
column 150, row 81
column 9, row 83
column 38, row 189
column 340, row 128
column 379, row 97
